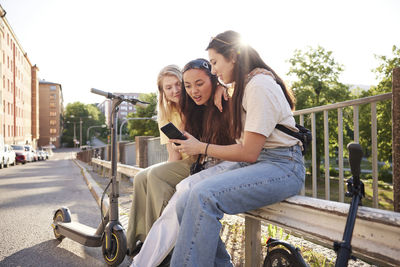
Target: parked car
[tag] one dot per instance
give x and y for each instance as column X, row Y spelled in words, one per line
column 41, row 155
column 35, row 155
column 21, row 153
column 30, row 154
column 9, row 156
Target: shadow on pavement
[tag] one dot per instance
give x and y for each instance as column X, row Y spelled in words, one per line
column 49, row 254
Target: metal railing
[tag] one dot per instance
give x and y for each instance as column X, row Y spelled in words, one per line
column 339, row 107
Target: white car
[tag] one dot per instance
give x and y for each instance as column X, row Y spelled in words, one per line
column 9, row 156
column 30, row 155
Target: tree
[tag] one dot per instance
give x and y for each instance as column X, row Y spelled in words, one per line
column 318, row 73
column 384, row 73
column 74, row 112
column 144, row 127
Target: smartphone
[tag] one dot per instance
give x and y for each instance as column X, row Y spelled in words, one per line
column 172, row 132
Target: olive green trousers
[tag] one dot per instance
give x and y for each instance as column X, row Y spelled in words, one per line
column 152, row 189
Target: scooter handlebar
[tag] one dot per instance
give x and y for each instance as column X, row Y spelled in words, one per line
column 138, row 102
column 100, row 92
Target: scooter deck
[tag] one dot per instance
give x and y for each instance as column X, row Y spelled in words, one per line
column 80, row 233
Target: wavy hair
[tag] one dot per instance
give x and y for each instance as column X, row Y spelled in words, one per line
column 165, row 107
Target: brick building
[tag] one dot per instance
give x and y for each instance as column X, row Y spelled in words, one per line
column 51, row 111
column 124, row 109
column 18, row 89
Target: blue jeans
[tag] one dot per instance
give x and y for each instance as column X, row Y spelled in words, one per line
column 278, row 174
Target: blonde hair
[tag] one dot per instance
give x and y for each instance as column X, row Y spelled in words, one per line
column 165, row 107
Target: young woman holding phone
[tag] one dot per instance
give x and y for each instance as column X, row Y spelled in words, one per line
column 271, row 163
column 211, row 125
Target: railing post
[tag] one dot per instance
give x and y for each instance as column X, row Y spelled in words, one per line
column 141, row 151
column 340, row 154
column 396, row 138
column 314, row 156
column 374, row 147
column 326, row 157
column 252, row 242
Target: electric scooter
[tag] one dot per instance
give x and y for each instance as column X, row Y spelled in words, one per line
column 110, row 234
column 281, row 253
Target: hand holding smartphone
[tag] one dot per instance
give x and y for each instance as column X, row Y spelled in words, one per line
column 172, row 132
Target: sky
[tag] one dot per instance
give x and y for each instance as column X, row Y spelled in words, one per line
column 121, row 45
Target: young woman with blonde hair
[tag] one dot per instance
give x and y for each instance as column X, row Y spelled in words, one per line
column 155, row 185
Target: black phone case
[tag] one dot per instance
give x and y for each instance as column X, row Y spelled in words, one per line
column 172, row 132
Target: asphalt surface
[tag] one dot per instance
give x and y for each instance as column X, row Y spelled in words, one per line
column 29, row 195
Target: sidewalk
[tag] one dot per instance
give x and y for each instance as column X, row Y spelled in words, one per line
column 98, row 183
column 232, row 233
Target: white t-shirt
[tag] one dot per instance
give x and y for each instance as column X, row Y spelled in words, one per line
column 265, row 106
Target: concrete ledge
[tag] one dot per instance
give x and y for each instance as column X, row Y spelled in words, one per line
column 126, row 170
column 376, row 236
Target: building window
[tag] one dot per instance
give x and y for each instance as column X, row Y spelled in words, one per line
column 53, row 139
column 53, row 113
column 53, row 122
column 52, row 105
column 53, row 130
column 53, row 87
column 52, row 96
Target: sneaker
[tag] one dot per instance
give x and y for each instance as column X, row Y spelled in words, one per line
column 136, row 250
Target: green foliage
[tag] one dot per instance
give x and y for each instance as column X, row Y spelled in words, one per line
column 316, row 259
column 275, row 232
column 144, row 127
column 317, row 73
column 385, row 173
column 90, row 116
column 384, row 72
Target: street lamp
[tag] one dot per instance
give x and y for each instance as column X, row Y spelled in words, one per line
column 87, row 132
column 80, row 127
column 154, row 118
column 74, row 129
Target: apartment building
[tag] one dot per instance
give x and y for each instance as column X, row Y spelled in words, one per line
column 51, row 109
column 124, row 109
column 18, row 94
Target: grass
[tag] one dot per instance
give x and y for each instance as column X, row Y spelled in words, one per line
column 385, row 191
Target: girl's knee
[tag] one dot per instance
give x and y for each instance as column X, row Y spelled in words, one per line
column 140, row 178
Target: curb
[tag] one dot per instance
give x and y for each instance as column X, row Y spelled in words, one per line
column 93, row 187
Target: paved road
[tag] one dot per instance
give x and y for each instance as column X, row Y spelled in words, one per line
column 28, row 196
column 97, row 142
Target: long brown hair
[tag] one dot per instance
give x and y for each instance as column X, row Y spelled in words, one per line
column 229, row 45
column 205, row 122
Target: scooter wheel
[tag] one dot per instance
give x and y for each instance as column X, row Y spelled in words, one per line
column 58, row 217
column 279, row 257
column 116, row 254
